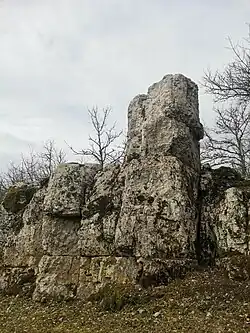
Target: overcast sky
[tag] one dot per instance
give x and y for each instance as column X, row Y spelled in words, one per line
column 59, row 57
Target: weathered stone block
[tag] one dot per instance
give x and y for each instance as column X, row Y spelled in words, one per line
column 67, row 189
column 96, row 272
column 158, row 215
column 57, row 278
column 60, row 236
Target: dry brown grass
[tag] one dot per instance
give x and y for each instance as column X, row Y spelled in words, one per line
column 202, row 302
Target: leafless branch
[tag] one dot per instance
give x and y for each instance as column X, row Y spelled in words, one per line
column 33, row 167
column 232, row 83
column 228, row 143
column 102, row 143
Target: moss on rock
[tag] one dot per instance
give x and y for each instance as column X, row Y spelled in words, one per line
column 18, row 197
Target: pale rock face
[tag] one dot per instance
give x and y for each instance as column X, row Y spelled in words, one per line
column 24, row 249
column 67, row 189
column 134, row 223
column 91, row 238
column 57, row 278
column 158, row 212
column 230, row 230
column 33, row 213
column 159, row 203
column 101, row 213
column 60, row 236
column 224, row 216
column 166, row 121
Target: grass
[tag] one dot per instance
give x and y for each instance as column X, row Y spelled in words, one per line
column 202, row 302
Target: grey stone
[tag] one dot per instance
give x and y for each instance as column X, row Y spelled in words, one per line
column 68, row 188
column 57, row 278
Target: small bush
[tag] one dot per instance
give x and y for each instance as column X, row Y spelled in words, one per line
column 114, row 296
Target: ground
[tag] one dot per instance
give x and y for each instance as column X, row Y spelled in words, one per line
column 204, row 301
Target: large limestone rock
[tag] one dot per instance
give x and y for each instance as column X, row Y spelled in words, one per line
column 165, row 122
column 134, row 223
column 232, row 222
column 159, row 204
column 158, row 215
column 139, row 220
column 224, row 216
column 143, row 222
column 224, row 233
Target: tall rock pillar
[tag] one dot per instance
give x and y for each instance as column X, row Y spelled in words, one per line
column 158, row 216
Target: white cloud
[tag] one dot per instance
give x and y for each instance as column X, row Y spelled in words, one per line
column 59, row 57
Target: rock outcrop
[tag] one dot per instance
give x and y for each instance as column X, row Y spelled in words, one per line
column 224, row 229
column 158, row 213
column 145, row 222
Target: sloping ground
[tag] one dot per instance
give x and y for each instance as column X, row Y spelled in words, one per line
column 202, row 302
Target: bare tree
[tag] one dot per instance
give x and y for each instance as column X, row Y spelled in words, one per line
column 102, row 143
column 49, row 158
column 228, row 143
column 233, row 82
column 33, row 167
